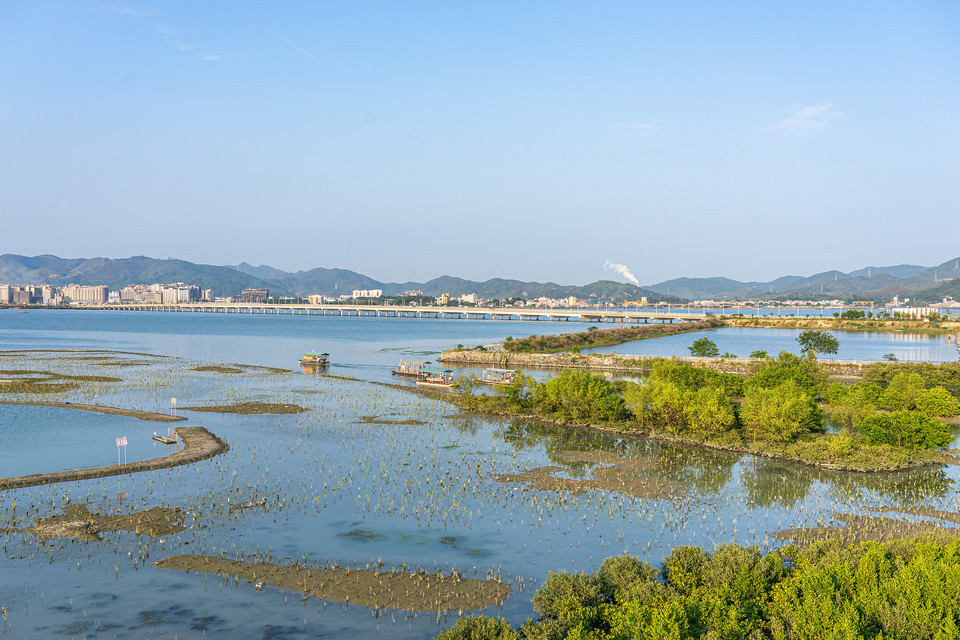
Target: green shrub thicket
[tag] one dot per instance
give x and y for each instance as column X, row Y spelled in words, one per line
column 779, row 414
column 946, row 374
column 903, row 589
column 774, row 410
column 905, row 429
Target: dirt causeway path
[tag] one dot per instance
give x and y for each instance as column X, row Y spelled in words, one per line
column 199, row 444
column 97, row 408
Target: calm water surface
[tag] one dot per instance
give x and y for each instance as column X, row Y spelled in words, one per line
column 742, row 341
column 341, row 488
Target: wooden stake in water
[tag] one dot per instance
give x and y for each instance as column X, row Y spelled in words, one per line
column 173, row 411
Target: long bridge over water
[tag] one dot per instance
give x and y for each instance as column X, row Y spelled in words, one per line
column 441, row 313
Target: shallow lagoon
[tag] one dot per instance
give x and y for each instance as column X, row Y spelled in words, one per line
column 742, row 341
column 343, row 488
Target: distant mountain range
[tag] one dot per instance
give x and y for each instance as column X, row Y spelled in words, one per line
column 870, row 283
column 921, row 284
column 231, row 280
column 335, row 282
column 116, row 274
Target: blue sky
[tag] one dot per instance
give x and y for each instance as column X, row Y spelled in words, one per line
column 535, row 140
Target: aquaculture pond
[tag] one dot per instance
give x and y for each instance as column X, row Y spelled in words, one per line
column 366, row 477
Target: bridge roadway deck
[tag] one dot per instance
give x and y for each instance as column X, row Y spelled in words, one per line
column 444, row 313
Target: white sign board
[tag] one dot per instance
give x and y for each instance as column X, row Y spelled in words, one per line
column 122, row 442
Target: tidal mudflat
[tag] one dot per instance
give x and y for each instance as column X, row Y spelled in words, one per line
column 368, row 479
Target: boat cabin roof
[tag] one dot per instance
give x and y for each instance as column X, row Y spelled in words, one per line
column 315, row 354
column 499, row 370
column 409, row 361
column 438, row 371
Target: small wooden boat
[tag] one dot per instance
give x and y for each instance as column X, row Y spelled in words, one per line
column 315, row 359
column 410, row 368
column 496, row 376
column 436, row 378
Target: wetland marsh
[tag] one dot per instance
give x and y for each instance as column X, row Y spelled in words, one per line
column 367, row 480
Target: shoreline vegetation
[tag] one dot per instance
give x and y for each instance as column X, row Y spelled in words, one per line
column 892, row 418
column 899, row 589
column 198, row 444
column 594, row 337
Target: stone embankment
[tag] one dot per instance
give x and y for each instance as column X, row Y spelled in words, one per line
column 198, row 444
column 610, row 363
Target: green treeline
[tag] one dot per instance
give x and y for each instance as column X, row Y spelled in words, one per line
column 904, row 589
column 779, row 409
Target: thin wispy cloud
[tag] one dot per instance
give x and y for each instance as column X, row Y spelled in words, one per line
column 152, row 19
column 642, row 129
column 291, row 43
column 805, row 120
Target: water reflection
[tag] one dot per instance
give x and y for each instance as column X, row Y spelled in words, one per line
column 766, row 482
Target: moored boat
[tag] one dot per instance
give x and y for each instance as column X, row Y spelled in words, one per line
column 496, row 376
column 436, row 378
column 315, row 359
column 410, row 368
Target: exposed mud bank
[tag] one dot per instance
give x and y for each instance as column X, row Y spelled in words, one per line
column 249, row 408
column 152, row 416
column 416, row 591
column 77, row 522
column 861, row 528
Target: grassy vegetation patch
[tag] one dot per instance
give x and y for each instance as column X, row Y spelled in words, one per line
column 77, row 522
column 50, row 375
column 218, row 368
column 637, row 477
column 376, row 420
column 250, row 408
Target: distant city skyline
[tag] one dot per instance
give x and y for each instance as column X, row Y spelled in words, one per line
column 534, row 141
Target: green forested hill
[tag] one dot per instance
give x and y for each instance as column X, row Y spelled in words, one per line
column 118, row 273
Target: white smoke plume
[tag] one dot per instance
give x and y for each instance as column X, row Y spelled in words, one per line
column 621, row 269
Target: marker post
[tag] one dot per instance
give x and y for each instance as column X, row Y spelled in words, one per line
column 122, row 442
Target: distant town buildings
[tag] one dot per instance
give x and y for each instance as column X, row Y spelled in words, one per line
column 86, row 294
column 175, row 293
column 179, row 293
column 254, row 296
